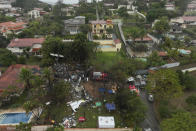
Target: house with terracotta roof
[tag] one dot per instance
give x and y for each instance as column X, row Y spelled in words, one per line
column 34, row 45
column 191, row 6
column 11, row 27
column 99, row 27
column 145, row 39
column 11, row 76
column 184, row 21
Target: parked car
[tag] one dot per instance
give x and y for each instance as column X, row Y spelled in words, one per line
column 150, row 97
column 131, row 81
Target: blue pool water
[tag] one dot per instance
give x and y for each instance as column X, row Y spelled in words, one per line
column 105, row 46
column 14, row 118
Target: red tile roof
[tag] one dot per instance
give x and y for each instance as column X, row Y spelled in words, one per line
column 191, row 6
column 101, row 22
column 109, row 21
column 146, row 38
column 116, row 41
column 98, row 22
column 11, row 76
column 26, row 42
column 12, row 24
column 189, row 18
column 162, row 53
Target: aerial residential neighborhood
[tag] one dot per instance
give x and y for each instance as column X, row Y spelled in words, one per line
column 97, row 65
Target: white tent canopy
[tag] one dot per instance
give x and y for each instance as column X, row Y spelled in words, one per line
column 106, row 122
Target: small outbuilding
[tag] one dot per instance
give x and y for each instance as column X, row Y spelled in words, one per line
column 106, row 122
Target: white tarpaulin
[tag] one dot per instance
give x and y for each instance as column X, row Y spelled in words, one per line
column 106, row 122
column 76, row 104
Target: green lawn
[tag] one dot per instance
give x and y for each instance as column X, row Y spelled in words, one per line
column 91, row 115
column 105, row 60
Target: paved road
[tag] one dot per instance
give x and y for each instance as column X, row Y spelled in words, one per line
column 150, row 120
column 129, row 52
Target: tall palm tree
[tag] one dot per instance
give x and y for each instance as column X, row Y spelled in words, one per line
column 26, row 76
column 143, row 33
column 48, row 75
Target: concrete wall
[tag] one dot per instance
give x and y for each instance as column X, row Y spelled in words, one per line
column 44, row 128
column 108, row 49
column 15, row 50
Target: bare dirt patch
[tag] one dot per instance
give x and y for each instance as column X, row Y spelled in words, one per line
column 92, row 87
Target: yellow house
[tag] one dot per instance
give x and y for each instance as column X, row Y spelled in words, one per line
column 99, row 27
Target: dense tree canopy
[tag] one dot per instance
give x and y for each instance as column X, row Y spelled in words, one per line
column 85, row 8
column 162, row 26
column 181, row 121
column 28, row 4
column 164, row 84
column 4, row 18
column 85, row 28
column 131, row 107
column 187, row 80
column 123, row 12
column 135, row 32
column 154, row 60
column 3, row 42
column 7, row 58
column 44, row 89
column 47, row 26
column 26, row 76
column 78, row 51
column 182, row 5
column 157, row 10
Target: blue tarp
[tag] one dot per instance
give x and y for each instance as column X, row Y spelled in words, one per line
column 110, row 106
column 110, row 91
column 102, row 89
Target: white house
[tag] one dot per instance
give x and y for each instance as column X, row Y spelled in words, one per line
column 5, row 6
column 170, row 7
column 34, row 14
column 128, row 7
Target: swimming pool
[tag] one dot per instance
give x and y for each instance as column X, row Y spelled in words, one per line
column 14, row 118
column 106, row 46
